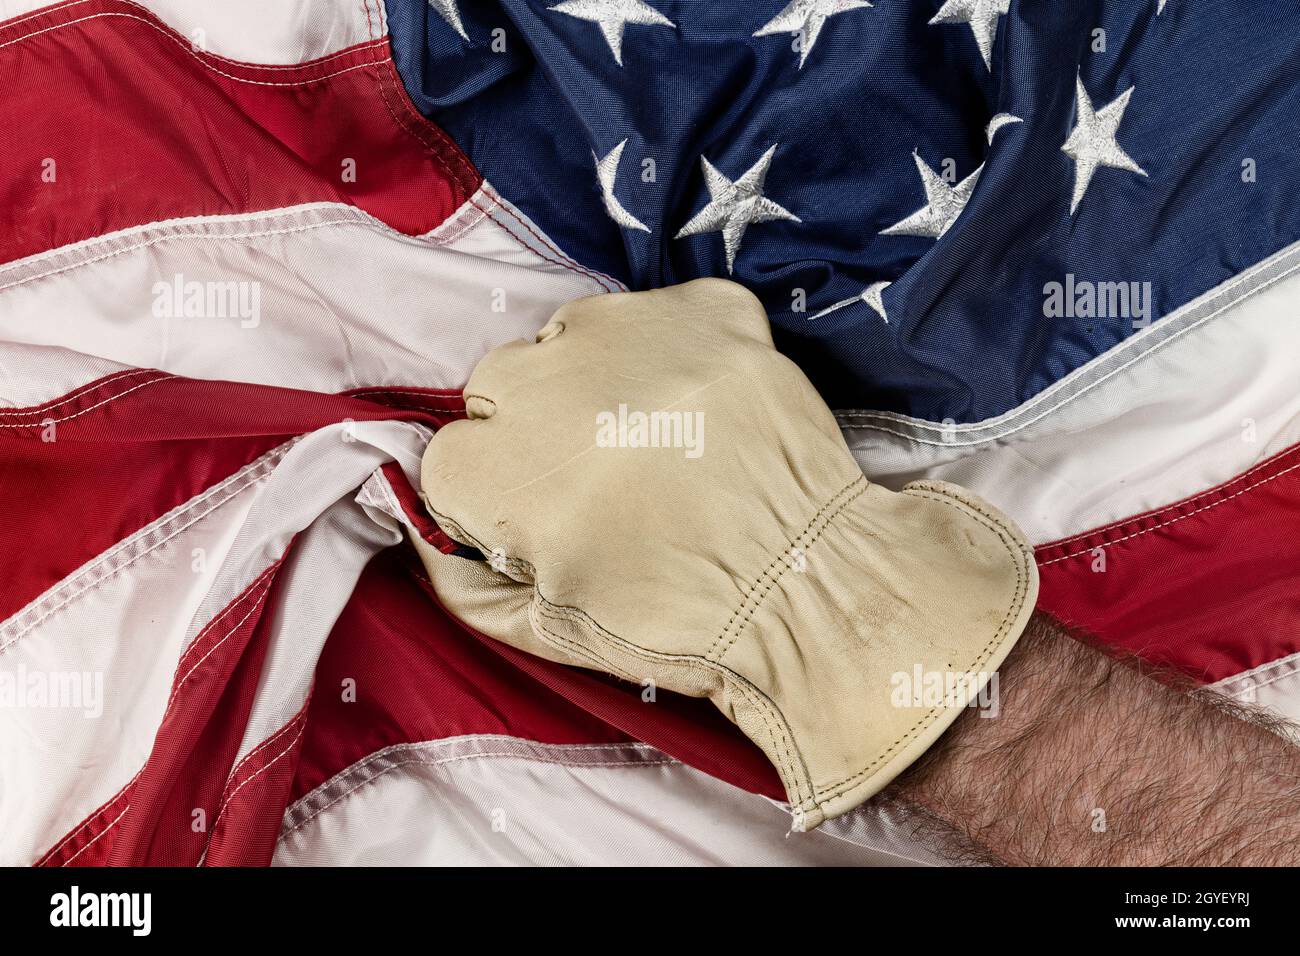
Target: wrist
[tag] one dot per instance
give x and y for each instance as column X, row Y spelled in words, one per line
column 991, row 757
column 1090, row 762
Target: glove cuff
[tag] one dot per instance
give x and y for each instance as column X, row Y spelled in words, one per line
column 869, row 636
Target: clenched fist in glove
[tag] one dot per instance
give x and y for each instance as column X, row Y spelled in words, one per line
column 665, row 497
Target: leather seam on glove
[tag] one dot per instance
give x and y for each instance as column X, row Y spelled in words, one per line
column 783, row 558
column 784, row 748
column 1020, row 556
column 540, row 607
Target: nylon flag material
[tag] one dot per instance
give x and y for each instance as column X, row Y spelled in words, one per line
column 251, row 253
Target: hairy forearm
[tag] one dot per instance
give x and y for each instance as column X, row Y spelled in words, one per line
column 1089, row 762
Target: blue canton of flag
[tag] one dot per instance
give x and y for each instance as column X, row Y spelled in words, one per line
column 899, row 181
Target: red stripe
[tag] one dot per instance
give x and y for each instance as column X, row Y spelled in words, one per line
column 141, row 128
column 1209, row 585
column 80, row 473
column 415, row 511
column 444, row 400
column 243, row 832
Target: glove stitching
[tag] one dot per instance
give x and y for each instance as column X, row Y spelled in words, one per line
column 790, row 773
column 750, row 604
column 571, row 647
column 1022, row 588
column 452, row 527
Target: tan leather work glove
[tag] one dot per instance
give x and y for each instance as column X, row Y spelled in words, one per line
column 749, row 562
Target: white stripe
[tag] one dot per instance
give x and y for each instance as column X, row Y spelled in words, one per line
column 485, row 800
column 283, row 32
column 39, row 375
column 345, row 301
column 528, row 244
column 1274, row 686
column 1203, row 406
column 1205, row 308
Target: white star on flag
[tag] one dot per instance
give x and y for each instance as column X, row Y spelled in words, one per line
column 607, row 174
column 943, row 203
column 612, row 16
column 872, row 295
column 1093, row 144
column 982, row 18
column 806, row 18
column 999, row 121
column 733, row 206
column 447, row 10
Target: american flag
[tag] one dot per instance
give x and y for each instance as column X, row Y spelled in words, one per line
column 251, row 252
